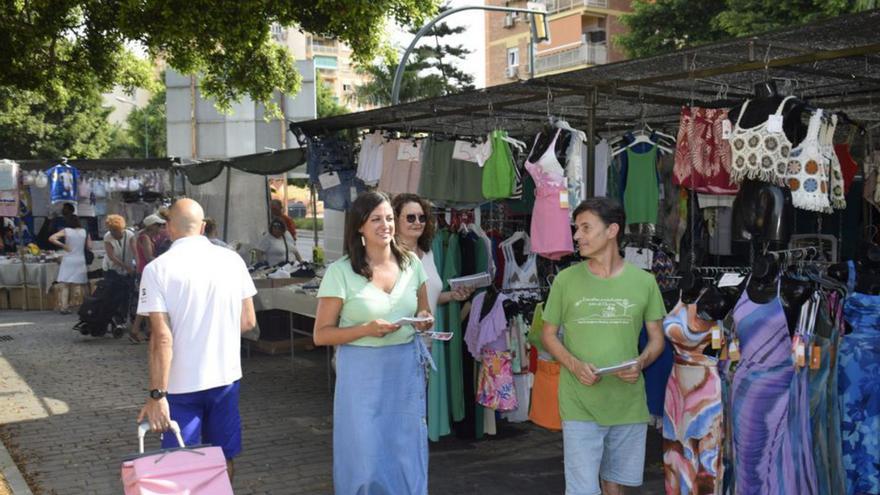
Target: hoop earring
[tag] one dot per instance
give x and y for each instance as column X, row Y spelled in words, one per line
column 363, row 241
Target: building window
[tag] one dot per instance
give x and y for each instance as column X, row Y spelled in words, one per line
column 346, row 87
column 595, row 37
column 513, row 57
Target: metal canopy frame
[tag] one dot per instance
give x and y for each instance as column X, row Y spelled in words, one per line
column 832, row 63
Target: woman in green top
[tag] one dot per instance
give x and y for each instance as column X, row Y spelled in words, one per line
column 380, row 438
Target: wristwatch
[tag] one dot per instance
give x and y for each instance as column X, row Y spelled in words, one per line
column 158, row 394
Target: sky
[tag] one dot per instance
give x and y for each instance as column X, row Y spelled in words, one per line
column 473, row 38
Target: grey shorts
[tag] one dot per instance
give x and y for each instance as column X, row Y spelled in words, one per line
column 612, row 453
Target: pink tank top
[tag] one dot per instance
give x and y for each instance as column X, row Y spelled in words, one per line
column 551, row 227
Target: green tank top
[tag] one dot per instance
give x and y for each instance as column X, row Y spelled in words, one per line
column 498, row 175
column 642, row 194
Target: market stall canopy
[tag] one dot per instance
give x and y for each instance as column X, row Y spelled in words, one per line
column 832, row 63
column 268, row 163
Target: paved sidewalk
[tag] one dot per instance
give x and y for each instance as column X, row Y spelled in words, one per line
column 68, row 405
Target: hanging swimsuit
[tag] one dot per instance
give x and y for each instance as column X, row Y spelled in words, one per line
column 757, row 153
column 766, row 436
column 859, row 368
column 806, row 174
column 693, row 414
column 550, row 227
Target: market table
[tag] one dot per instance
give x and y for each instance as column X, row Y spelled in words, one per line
column 295, row 300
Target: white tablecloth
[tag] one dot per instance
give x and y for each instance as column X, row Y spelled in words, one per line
column 41, row 275
column 290, row 298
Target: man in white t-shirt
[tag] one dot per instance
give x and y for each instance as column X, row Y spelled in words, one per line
column 198, row 297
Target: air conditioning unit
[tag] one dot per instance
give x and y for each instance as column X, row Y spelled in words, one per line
column 509, row 20
column 511, row 72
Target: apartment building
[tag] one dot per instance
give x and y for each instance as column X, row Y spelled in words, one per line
column 580, row 36
column 333, row 61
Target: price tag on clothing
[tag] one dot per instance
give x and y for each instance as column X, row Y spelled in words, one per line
column 353, row 193
column 726, row 129
column 328, row 180
column 563, row 199
column 733, row 351
column 730, row 280
column 716, row 337
column 801, row 354
column 815, row 357
column 774, row 123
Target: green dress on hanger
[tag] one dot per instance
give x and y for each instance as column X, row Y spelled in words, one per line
column 438, row 380
column 641, row 198
column 452, row 269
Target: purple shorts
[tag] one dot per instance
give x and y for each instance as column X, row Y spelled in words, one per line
column 207, row 417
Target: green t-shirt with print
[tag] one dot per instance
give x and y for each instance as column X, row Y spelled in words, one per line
column 602, row 320
column 363, row 302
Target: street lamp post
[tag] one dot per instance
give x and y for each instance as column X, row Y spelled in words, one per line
column 538, row 33
column 146, row 125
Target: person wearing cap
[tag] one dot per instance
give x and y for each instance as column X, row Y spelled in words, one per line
column 278, row 246
column 145, row 252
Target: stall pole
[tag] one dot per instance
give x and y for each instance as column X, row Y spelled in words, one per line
column 592, row 99
column 226, row 203
column 314, row 201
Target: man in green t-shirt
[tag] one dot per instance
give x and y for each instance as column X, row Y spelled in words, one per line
column 602, row 303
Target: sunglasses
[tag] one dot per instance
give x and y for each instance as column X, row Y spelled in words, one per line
column 411, row 218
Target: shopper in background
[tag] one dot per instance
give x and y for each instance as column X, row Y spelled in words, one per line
column 277, row 246
column 145, row 244
column 198, row 298
column 277, row 209
column 415, row 228
column 380, row 434
column 211, row 233
column 119, row 248
column 602, row 303
column 73, row 271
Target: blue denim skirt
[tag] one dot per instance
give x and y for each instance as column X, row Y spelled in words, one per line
column 380, row 433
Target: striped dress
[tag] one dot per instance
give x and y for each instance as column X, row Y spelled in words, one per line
column 769, row 406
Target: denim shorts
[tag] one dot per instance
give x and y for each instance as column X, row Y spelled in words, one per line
column 612, row 453
column 207, row 417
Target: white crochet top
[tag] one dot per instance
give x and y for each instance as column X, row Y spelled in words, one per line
column 757, row 153
column 807, row 171
column 838, row 200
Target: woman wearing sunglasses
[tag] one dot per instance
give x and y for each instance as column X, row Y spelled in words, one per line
column 415, row 232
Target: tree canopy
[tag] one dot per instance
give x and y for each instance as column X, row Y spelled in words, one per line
column 52, row 47
column 659, row 26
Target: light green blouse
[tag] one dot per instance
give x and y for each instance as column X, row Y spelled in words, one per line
column 364, row 302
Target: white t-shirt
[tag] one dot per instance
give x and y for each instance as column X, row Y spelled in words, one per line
column 274, row 248
column 201, row 287
column 434, row 283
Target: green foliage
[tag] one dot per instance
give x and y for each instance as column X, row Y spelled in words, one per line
column 129, row 141
column 308, row 223
column 50, row 48
column 327, row 104
column 429, row 72
column 33, row 126
column 659, row 26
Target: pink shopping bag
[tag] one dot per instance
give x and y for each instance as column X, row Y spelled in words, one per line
column 184, row 471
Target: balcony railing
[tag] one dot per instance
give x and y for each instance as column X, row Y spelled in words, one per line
column 583, row 53
column 554, row 6
column 331, row 48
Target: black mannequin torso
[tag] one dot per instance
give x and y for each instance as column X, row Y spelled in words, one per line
column 763, row 287
column 763, row 212
column 543, row 142
column 690, row 286
column 716, row 303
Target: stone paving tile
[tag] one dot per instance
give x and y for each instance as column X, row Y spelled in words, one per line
column 68, row 405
